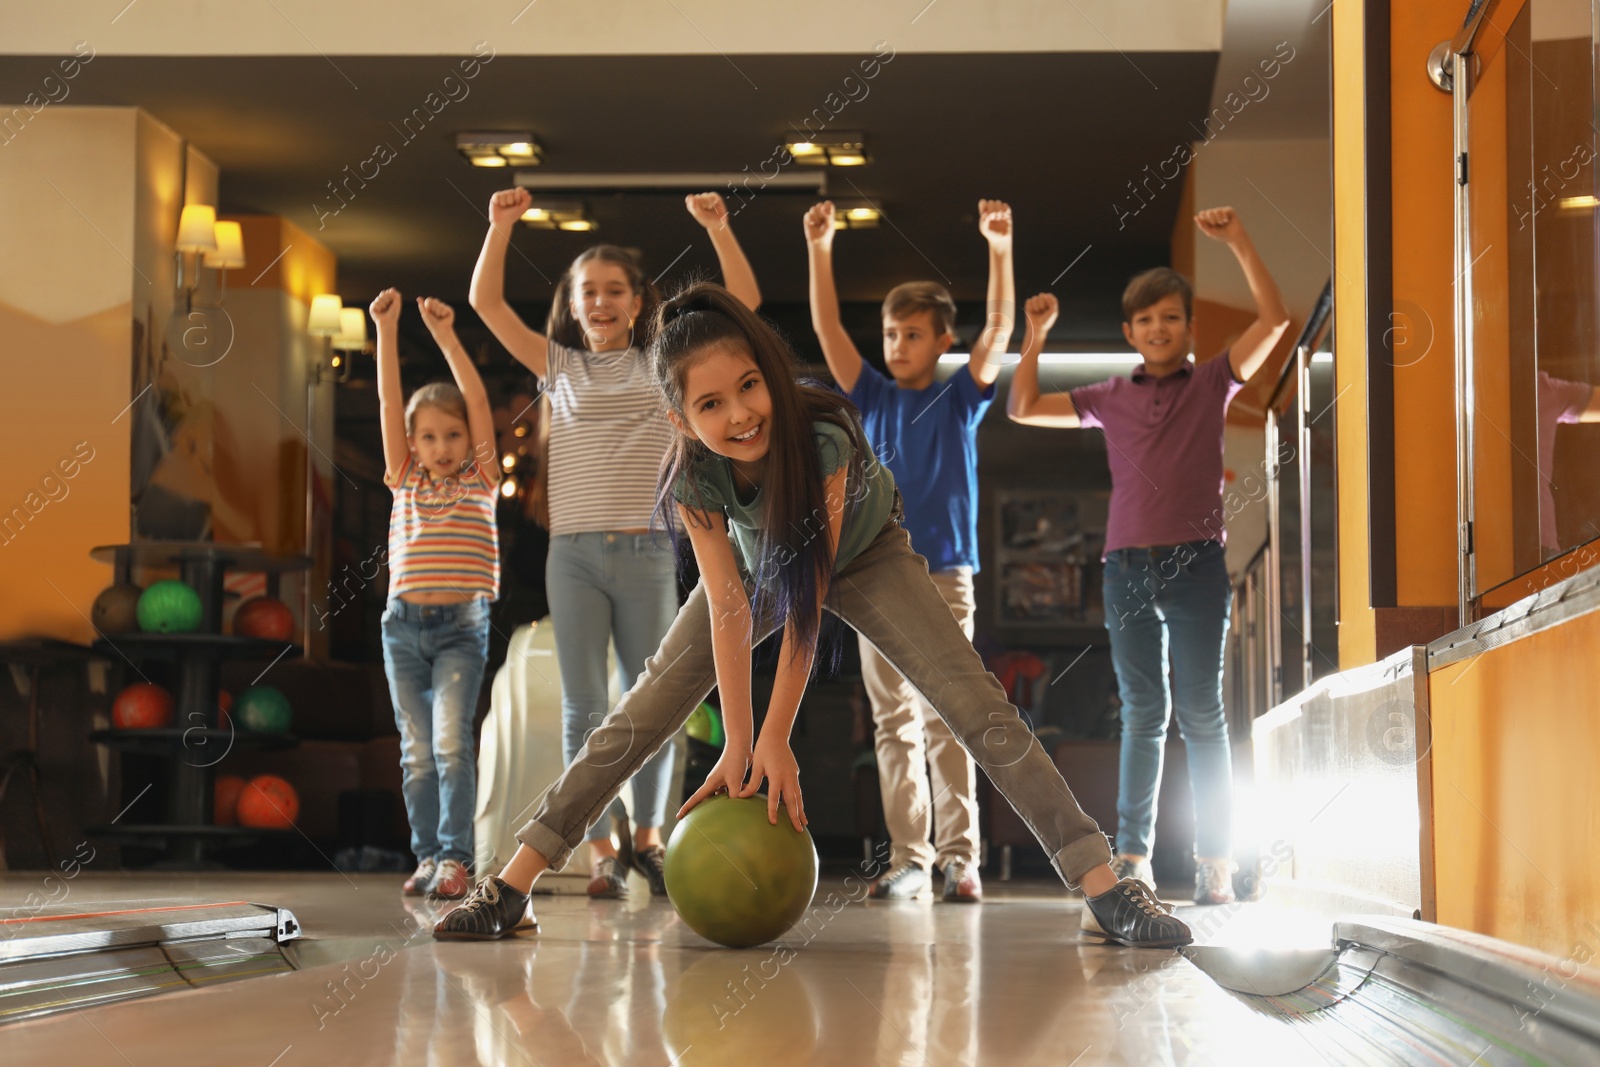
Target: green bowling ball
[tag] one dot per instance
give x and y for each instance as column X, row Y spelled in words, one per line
column 169, row 607
column 261, row 709
column 735, row 878
column 705, row 725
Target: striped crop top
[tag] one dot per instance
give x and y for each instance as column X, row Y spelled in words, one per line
column 442, row 535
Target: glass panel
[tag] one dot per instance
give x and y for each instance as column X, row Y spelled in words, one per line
column 1532, row 275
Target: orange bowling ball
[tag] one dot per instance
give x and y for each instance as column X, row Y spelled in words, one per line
column 264, row 617
column 225, row 806
column 142, row 706
column 267, row 802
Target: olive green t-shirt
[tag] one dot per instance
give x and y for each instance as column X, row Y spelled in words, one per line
column 872, row 501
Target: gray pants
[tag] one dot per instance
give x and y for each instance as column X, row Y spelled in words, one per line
column 885, row 594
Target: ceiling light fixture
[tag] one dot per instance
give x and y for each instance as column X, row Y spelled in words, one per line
column 572, row 215
column 514, row 149
column 841, row 149
column 856, row 216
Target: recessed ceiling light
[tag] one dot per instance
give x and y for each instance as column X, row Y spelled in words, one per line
column 842, row 149
column 516, row 147
column 856, row 216
column 572, row 215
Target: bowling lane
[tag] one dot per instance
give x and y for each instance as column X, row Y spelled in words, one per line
column 628, row 984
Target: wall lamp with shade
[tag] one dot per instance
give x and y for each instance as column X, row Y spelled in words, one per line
column 203, row 243
column 327, row 320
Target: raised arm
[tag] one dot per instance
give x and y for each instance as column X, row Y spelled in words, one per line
column 488, row 293
column 730, row 648
column 441, row 320
column 1250, row 351
column 738, row 278
column 1024, row 403
column 994, row 222
column 837, row 348
column 385, row 310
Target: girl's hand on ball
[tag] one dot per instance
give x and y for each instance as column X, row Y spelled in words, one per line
column 726, row 777
column 776, row 763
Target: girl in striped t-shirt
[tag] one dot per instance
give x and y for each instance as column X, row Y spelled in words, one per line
column 606, row 578
column 444, row 569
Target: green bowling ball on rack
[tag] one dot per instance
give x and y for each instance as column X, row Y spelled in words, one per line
column 169, row 607
column 261, row 709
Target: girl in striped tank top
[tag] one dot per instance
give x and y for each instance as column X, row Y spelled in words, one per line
column 444, row 569
column 606, row 578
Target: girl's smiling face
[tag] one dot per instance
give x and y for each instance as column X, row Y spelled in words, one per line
column 440, row 440
column 604, row 304
column 727, row 407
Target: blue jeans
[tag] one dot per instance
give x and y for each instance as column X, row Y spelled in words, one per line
column 604, row 588
column 1169, row 606
column 434, row 655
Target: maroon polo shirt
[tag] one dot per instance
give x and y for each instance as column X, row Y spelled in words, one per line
column 1164, row 445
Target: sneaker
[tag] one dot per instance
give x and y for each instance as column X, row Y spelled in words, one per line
column 1133, row 867
column 652, row 863
column 961, row 883
column 1129, row 914
column 904, row 881
column 609, row 879
column 421, row 878
column 492, row 910
column 452, row 882
column 1213, row 881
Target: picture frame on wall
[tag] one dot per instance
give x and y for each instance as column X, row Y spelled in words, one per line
column 1048, row 558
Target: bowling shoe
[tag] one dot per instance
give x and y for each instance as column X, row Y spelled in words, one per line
column 608, row 879
column 904, row 881
column 452, row 882
column 421, row 879
column 652, row 863
column 1129, row 914
column 961, row 883
column 1124, row 866
column 1213, row 881
column 492, row 910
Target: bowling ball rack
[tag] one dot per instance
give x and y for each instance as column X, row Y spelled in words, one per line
column 195, row 743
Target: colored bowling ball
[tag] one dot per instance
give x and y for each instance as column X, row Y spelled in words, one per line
column 142, row 706
column 705, row 724
column 267, row 802
column 169, row 607
column 224, row 706
column 264, row 617
column 735, row 878
column 225, row 804
column 116, row 609
column 261, row 709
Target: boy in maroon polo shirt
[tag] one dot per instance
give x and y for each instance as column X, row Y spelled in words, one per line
column 1167, row 591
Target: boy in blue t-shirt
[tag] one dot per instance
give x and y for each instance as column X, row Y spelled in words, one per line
column 925, row 432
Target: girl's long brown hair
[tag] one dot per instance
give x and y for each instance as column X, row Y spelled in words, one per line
column 565, row 330
column 794, row 559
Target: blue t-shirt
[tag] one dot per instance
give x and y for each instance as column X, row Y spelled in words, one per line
column 928, row 438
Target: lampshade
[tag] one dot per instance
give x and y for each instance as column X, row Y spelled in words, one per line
column 197, row 229
column 353, row 330
column 230, row 247
column 324, row 321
